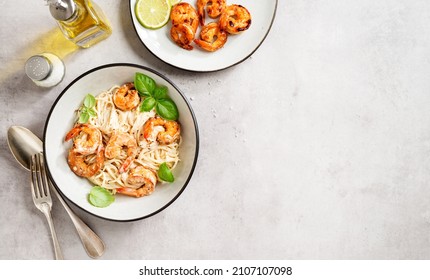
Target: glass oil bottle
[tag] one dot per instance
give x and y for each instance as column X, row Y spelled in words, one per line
column 81, row 21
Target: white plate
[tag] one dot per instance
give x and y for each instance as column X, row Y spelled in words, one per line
column 60, row 121
column 237, row 48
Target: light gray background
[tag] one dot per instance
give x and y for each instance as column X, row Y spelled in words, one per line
column 316, row 147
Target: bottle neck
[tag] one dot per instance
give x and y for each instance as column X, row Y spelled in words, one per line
column 74, row 15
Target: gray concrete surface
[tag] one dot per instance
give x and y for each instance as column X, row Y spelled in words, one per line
column 316, row 147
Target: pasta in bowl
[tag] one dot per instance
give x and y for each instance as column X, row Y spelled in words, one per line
column 121, row 142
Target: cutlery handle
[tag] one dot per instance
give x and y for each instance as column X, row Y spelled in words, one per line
column 93, row 245
column 47, row 211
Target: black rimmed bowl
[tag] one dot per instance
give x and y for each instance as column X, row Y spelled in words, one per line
column 61, row 119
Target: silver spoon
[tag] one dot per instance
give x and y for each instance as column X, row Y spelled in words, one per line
column 23, row 144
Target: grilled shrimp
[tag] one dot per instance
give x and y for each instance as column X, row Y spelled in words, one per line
column 212, row 37
column 82, row 165
column 182, row 35
column 126, row 97
column 169, row 133
column 184, row 13
column 86, row 138
column 115, row 146
column 214, row 9
column 234, row 19
column 142, row 178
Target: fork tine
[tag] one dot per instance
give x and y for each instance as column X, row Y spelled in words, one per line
column 45, row 184
column 38, row 177
column 36, row 180
column 32, row 176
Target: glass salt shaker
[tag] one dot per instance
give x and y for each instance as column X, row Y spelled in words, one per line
column 45, row 70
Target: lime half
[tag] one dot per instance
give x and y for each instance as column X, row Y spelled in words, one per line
column 174, row 2
column 153, row 14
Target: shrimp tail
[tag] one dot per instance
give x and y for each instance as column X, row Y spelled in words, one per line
column 72, row 133
column 126, row 191
column 202, row 15
column 126, row 164
column 131, row 191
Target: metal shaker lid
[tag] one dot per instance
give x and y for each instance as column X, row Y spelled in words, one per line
column 62, row 9
column 38, row 67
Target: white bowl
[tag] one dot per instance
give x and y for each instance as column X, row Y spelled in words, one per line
column 61, row 119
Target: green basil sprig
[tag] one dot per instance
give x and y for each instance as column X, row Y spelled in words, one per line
column 100, row 197
column 86, row 111
column 165, row 174
column 155, row 96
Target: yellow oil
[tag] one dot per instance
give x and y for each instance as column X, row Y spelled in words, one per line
column 53, row 41
column 87, row 26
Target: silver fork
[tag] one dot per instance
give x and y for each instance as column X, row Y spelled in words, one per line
column 42, row 197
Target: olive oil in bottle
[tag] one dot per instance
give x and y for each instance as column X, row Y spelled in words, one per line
column 81, row 21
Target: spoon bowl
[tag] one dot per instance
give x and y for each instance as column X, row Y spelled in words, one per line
column 23, row 144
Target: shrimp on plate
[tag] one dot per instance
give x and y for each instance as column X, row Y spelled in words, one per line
column 164, row 131
column 86, row 165
column 182, row 35
column 185, row 22
column 115, row 146
column 214, row 9
column 234, row 19
column 212, row 37
column 86, row 138
column 184, row 13
column 126, row 98
column 142, row 181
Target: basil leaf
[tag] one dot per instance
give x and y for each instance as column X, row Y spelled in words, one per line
column 160, row 92
column 92, row 112
column 167, row 109
column 89, row 101
column 147, row 104
column 84, row 117
column 100, row 197
column 145, row 85
column 165, row 174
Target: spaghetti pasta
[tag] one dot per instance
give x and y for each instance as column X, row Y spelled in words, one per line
column 147, row 155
